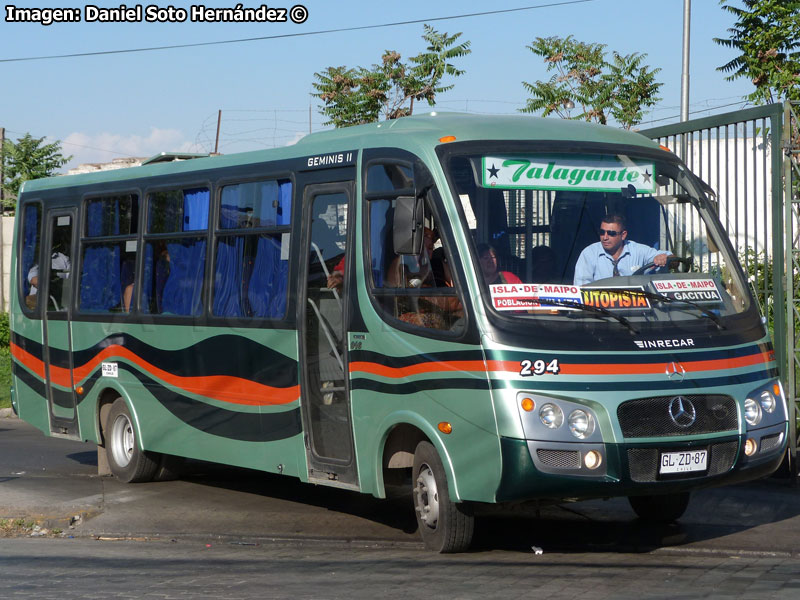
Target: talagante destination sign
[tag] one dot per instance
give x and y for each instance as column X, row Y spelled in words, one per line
column 567, row 173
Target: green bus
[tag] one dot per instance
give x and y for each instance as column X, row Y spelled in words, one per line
column 486, row 310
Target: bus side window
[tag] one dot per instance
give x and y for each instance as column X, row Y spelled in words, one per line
column 251, row 268
column 108, row 265
column 398, row 279
column 174, row 266
column 29, row 266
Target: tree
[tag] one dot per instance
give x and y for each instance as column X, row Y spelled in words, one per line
column 28, row 159
column 767, row 36
column 353, row 96
column 584, row 80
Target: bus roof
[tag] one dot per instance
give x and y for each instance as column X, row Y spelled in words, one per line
column 424, row 130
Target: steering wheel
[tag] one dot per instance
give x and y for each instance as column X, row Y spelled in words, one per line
column 672, row 261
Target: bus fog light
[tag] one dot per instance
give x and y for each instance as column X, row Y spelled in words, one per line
column 752, row 412
column 551, row 415
column 592, row 459
column 767, row 401
column 750, row 447
column 581, row 424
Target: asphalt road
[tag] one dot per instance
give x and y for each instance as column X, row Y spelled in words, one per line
column 58, row 569
column 53, row 480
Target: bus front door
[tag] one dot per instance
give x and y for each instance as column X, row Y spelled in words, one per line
column 321, row 315
column 55, row 284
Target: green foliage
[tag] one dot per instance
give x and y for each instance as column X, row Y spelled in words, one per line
column 758, row 268
column 5, row 377
column 5, row 362
column 354, row 96
column 432, row 65
column 767, row 36
column 585, row 81
column 28, row 159
column 5, row 331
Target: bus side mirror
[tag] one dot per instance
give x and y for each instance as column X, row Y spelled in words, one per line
column 408, row 227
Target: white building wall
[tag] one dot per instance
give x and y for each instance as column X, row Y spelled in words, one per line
column 8, row 239
column 739, row 172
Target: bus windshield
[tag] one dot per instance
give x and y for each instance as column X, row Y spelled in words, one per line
column 602, row 237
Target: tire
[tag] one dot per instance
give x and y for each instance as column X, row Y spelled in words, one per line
column 127, row 461
column 665, row 508
column 445, row 526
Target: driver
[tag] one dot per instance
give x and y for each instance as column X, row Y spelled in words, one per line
column 614, row 254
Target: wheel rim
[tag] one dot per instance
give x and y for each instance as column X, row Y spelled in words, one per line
column 122, row 440
column 426, row 497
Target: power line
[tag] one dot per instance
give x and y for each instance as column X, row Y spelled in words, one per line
column 293, row 35
column 63, row 143
column 235, row 137
column 694, row 112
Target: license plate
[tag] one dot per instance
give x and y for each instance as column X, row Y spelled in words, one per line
column 683, row 462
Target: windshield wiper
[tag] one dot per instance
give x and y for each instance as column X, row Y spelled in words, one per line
column 597, row 310
column 667, row 300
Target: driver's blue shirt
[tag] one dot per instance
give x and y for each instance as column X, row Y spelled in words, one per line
column 595, row 263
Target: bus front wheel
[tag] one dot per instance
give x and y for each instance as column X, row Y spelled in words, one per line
column 445, row 526
column 664, row 508
column 127, row 461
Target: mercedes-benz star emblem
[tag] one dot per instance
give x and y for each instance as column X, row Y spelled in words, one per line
column 675, row 371
column 682, row 412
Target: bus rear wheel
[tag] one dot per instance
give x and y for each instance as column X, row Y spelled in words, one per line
column 445, row 526
column 127, row 461
column 665, row 508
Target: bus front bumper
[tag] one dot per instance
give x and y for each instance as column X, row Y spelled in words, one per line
column 551, row 470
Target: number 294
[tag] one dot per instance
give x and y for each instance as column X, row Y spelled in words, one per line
column 529, row 368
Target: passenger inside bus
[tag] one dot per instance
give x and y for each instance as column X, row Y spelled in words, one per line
column 59, row 270
column 487, row 255
column 414, row 271
column 126, row 280
column 443, row 278
column 161, row 274
column 614, row 255
column 336, row 277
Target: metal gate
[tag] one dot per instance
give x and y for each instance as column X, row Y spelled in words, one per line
column 750, row 158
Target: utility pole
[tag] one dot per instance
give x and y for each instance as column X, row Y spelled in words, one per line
column 2, row 210
column 219, row 121
column 687, row 17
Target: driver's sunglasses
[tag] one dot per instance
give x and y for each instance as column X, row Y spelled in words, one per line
column 609, row 232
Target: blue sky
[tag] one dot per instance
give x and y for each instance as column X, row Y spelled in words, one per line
column 141, row 103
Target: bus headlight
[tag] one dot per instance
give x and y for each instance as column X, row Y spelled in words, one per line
column 581, row 424
column 767, row 401
column 752, row 412
column 551, row 415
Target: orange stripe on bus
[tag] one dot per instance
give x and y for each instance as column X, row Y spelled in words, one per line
column 418, row 369
column 224, row 388
column 659, row 367
column 655, row 368
column 220, row 387
column 28, row 360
